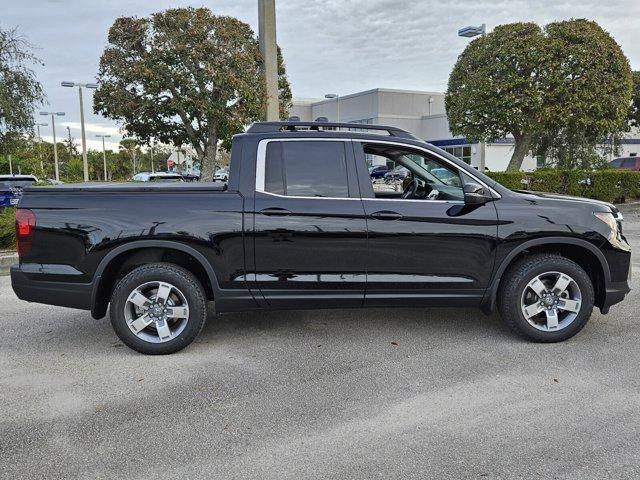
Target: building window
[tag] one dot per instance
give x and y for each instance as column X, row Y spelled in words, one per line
column 540, row 161
column 463, row 152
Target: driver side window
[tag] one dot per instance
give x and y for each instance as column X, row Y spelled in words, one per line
column 397, row 172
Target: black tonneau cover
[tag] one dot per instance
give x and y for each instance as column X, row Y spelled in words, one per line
column 132, row 187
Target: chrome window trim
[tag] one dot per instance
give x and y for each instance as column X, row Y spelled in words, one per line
column 262, row 157
column 429, row 152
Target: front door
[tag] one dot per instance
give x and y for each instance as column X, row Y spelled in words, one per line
column 425, row 247
column 309, row 228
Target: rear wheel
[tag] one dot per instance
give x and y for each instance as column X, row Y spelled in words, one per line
column 546, row 298
column 158, row 308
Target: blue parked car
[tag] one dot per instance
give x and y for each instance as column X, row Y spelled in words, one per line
column 378, row 171
column 11, row 188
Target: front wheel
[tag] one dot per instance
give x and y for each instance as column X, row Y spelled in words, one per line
column 546, row 298
column 158, row 308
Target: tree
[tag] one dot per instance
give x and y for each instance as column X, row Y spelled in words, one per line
column 184, row 77
column 570, row 80
column 20, row 92
column 130, row 147
column 634, row 110
column 70, row 144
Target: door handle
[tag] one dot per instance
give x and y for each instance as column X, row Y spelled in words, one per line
column 275, row 211
column 386, row 215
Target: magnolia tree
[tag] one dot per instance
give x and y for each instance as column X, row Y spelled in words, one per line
column 185, row 77
column 567, row 81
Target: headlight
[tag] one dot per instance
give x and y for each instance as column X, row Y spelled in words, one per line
column 609, row 218
column 614, row 222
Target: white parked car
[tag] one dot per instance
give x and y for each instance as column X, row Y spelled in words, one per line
column 158, row 177
column 221, row 174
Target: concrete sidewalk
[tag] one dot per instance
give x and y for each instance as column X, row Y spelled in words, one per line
column 7, row 258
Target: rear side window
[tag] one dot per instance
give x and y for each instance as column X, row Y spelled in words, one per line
column 306, row 169
column 629, row 163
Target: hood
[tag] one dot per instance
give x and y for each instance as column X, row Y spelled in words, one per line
column 600, row 205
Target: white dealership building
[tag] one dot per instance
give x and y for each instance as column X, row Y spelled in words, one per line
column 424, row 115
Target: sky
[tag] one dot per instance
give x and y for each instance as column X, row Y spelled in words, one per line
column 329, row 46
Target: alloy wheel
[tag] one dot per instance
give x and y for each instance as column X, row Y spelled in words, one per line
column 156, row 312
column 551, row 301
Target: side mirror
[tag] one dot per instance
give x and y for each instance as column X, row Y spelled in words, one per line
column 475, row 194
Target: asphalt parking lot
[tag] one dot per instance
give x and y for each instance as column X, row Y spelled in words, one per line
column 325, row 394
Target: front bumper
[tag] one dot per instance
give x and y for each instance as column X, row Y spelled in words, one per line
column 63, row 294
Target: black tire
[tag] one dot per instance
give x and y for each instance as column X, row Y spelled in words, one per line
column 177, row 276
column 515, row 281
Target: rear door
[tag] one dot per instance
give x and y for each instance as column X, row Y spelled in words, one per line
column 309, row 229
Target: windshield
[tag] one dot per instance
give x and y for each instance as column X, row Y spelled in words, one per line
column 412, row 163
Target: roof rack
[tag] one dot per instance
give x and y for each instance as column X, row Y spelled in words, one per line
column 292, row 126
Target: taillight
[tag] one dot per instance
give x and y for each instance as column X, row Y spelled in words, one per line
column 25, row 227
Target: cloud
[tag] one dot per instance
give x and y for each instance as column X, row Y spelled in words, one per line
column 340, row 46
column 96, row 128
column 92, row 144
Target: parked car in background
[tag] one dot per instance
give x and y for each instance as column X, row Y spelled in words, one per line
column 378, row 171
column 141, row 177
column 158, row 177
column 221, row 174
column 11, row 188
column 398, row 173
column 626, row 163
column 166, row 177
column 190, row 177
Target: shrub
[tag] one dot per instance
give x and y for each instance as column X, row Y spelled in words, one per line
column 610, row 185
column 8, row 228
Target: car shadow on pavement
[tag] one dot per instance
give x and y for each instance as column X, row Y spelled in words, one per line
column 76, row 331
column 411, row 322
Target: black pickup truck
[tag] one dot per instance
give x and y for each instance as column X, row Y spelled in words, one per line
column 302, row 225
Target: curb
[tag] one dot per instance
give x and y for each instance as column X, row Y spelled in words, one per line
column 6, row 260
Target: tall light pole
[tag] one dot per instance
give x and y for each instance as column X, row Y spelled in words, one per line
column 85, row 163
column 38, row 125
column 269, row 51
column 151, row 149
column 470, row 32
column 55, row 146
column 337, row 97
column 104, row 154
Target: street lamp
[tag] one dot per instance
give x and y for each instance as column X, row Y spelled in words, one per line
column 38, row 125
column 55, row 146
column 337, row 97
column 104, row 154
column 85, row 163
column 470, row 32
